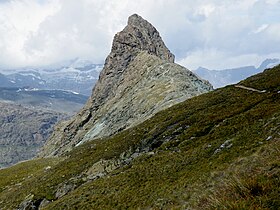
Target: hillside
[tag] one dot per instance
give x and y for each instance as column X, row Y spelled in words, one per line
column 219, row 150
column 23, row 131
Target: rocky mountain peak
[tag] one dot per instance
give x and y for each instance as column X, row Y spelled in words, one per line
column 136, row 19
column 139, row 35
column 138, row 80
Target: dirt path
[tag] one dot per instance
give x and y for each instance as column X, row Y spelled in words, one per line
column 251, row 89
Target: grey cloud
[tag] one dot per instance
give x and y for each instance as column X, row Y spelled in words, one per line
column 202, row 32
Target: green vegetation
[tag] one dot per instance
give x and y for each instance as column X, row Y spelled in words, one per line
column 17, row 173
column 219, row 150
column 251, row 183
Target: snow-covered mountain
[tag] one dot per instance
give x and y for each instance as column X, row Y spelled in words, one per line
column 56, row 100
column 76, row 75
column 221, row 78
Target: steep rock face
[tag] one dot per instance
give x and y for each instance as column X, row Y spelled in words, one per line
column 137, row 36
column 139, row 79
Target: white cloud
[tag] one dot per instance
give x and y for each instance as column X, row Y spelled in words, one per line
column 18, row 19
column 205, row 10
column 209, row 57
column 210, row 33
column 274, row 32
column 261, row 28
column 272, row 2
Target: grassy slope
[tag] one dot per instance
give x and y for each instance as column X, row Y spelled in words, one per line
column 189, row 166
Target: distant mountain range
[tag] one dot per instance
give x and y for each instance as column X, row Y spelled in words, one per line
column 76, row 75
column 221, row 78
column 80, row 75
column 56, row 100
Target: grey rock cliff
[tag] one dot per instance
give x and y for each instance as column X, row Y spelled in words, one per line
column 137, row 36
column 139, row 79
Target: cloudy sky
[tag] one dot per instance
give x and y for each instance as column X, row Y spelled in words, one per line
column 211, row 33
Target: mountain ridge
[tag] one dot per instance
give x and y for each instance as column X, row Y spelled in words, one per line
column 221, row 78
column 118, row 101
column 56, row 100
column 76, row 76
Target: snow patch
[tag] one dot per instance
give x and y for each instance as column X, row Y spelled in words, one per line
column 29, row 89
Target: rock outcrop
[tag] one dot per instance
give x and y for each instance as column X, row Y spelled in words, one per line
column 139, row 79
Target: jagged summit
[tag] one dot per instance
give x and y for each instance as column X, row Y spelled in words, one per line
column 139, row 35
column 146, row 37
column 136, row 20
column 139, row 79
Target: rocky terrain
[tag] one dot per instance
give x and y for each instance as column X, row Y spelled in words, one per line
column 27, row 117
column 23, row 131
column 139, row 79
